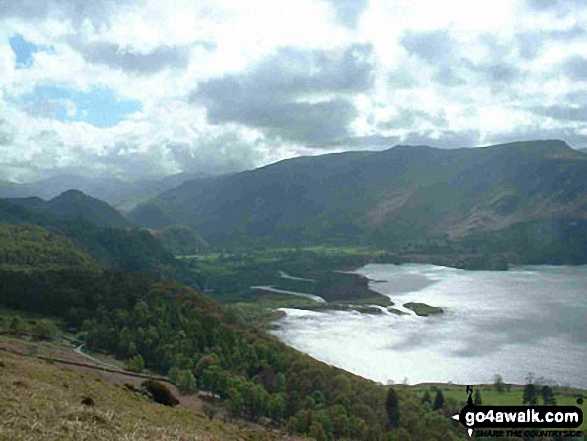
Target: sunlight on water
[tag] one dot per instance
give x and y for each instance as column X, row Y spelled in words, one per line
column 528, row 319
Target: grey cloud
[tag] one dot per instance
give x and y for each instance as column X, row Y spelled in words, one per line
column 402, row 78
column 349, row 11
column 129, row 159
column 269, row 96
column 409, row 117
column 438, row 49
column 529, row 44
column 6, row 133
column 531, row 133
column 444, row 139
column 497, row 72
column 576, row 68
column 448, row 76
column 564, row 113
column 116, row 57
column 559, row 7
column 96, row 11
column 434, row 46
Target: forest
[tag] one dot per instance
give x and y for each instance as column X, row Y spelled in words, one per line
column 159, row 324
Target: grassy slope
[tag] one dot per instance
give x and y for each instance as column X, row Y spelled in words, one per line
column 43, row 401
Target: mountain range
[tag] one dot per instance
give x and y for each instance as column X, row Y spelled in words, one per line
column 387, row 197
column 117, row 192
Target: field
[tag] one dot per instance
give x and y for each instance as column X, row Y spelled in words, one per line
column 514, row 397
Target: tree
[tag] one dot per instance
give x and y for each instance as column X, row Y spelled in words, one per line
column 427, row 398
column 317, row 432
column 135, row 364
column 276, row 406
column 392, row 408
column 477, row 400
column 547, row 395
column 498, row 383
column 438, row 400
column 530, row 396
column 186, row 383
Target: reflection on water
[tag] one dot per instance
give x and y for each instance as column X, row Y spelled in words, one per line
column 528, row 319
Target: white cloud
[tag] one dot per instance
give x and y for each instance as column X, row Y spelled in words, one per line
column 445, row 72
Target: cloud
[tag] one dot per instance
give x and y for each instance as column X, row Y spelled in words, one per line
column 571, row 136
column 560, row 7
column 435, row 47
column 576, row 68
column 269, row 97
column 117, row 57
column 563, row 113
column 349, row 12
column 6, row 134
column 96, row 11
column 531, row 43
column 443, row 138
column 409, row 117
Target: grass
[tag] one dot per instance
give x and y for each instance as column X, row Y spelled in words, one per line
column 44, row 401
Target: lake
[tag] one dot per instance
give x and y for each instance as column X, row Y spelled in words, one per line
column 527, row 319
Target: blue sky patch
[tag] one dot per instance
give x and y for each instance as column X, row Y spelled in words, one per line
column 99, row 106
column 24, row 51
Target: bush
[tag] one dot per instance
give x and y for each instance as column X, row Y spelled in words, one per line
column 45, row 330
column 160, row 393
column 135, row 364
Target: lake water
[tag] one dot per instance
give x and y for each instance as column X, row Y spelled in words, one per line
column 527, row 319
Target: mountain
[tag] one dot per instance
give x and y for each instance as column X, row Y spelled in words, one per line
column 97, row 229
column 125, row 195
column 74, row 204
column 388, row 197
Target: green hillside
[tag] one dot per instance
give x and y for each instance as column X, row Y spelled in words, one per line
column 29, row 247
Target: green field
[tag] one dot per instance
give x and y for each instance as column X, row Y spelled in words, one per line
column 489, row 396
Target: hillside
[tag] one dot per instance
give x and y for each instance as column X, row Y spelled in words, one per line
column 389, row 197
column 74, row 204
column 44, row 401
column 130, row 249
column 29, row 247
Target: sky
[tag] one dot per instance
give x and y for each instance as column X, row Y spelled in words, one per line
column 141, row 89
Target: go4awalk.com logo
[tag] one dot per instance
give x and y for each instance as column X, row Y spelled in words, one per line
column 527, row 421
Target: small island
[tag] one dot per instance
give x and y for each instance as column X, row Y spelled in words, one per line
column 423, row 310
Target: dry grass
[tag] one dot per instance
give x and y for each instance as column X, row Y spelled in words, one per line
column 43, row 401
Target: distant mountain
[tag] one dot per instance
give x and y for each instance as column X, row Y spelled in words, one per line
column 96, row 228
column 124, row 195
column 74, row 204
column 386, row 198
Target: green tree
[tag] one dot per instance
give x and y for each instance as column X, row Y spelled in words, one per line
column 427, row 398
column 477, row 400
column 498, row 383
column 398, row 435
column 317, row 432
column 392, row 408
column 45, row 329
column 16, row 324
column 186, row 382
column 276, row 406
column 530, row 397
column 438, row 400
column 135, row 364
column 548, row 395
